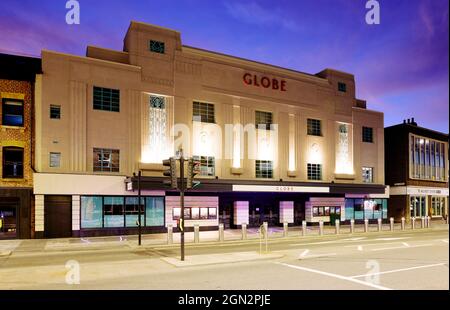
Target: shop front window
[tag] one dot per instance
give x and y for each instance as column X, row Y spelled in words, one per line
column 418, row 206
column 437, row 206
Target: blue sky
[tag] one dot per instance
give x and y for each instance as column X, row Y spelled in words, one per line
column 400, row 66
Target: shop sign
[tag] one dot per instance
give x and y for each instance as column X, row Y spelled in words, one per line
column 427, row 191
column 280, row 189
column 264, row 82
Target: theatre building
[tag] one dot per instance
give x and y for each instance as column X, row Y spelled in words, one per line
column 417, row 171
column 274, row 144
column 17, row 76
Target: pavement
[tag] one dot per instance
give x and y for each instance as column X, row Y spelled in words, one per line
column 410, row 259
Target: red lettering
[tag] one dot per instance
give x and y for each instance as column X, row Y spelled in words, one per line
column 256, row 80
column 283, row 85
column 248, row 79
column 265, row 82
column 275, row 84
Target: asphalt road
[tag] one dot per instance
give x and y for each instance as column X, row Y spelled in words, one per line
column 400, row 260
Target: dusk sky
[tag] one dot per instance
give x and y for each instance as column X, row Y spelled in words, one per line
column 400, row 66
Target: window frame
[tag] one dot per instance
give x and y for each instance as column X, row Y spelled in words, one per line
column 102, row 152
column 56, row 116
column 206, row 162
column 342, row 87
column 263, row 120
column 21, row 104
column 311, row 127
column 267, row 172
column 312, row 173
column 50, row 159
column 365, row 134
column 202, row 106
column 160, row 46
column 100, row 100
column 7, row 149
column 364, row 170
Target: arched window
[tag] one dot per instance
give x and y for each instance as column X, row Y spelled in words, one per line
column 12, row 162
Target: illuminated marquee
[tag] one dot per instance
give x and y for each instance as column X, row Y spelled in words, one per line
column 265, row 82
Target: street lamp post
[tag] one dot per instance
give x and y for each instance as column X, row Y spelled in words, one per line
column 182, row 203
column 139, row 208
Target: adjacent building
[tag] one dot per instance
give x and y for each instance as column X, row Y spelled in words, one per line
column 416, row 171
column 274, row 144
column 17, row 77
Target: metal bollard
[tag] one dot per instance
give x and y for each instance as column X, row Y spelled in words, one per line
column 196, row 233
column 403, row 223
column 266, row 230
column 244, row 231
column 285, row 229
column 380, row 227
column 391, row 223
column 446, row 219
column 366, row 225
column 428, row 222
column 169, row 234
column 413, row 223
column 320, row 228
column 422, row 222
column 337, row 224
column 303, row 228
column 221, row 233
column 352, row 226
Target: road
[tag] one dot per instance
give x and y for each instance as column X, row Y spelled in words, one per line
column 378, row 261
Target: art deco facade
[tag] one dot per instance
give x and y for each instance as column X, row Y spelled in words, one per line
column 317, row 153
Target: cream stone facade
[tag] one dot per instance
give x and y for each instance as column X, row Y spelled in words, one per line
column 182, row 75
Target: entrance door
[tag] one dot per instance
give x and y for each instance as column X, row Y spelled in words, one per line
column 8, row 221
column 57, row 216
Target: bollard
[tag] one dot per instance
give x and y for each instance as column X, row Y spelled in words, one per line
column 221, row 233
column 403, row 223
column 446, row 219
column 380, row 227
column 266, row 233
column 413, row 223
column 337, row 226
column 422, row 222
column 285, row 229
column 169, row 234
column 320, row 228
column 352, row 226
column 366, row 225
column 244, row 231
column 391, row 223
column 196, row 233
column 428, row 222
column 303, row 228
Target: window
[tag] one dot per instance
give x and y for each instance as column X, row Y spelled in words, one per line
column 418, row 206
column 342, row 87
column 314, row 172
column 55, row 160
column 264, row 169
column 207, row 165
column 106, row 160
column 157, row 47
column 367, row 174
column 157, row 102
column 203, row 112
column 367, row 134
column 12, row 112
column 106, row 99
column 12, row 162
column 437, row 205
column 263, row 120
column 120, row 211
column 55, row 111
column 427, row 159
column 314, row 127
column 195, row 213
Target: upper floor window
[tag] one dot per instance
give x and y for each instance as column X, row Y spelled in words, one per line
column 157, row 47
column 12, row 112
column 264, row 169
column 207, row 165
column 203, row 112
column 427, row 159
column 342, row 87
column 263, row 120
column 106, row 99
column 106, row 160
column 367, row 174
column 55, row 160
column 55, row 111
column 157, row 102
column 314, row 172
column 367, row 134
column 314, row 127
column 12, row 162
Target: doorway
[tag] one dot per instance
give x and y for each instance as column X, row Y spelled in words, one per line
column 8, row 221
column 57, row 216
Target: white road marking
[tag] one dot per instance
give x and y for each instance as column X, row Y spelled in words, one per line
column 402, row 247
column 335, row 276
column 312, row 243
column 390, row 239
column 317, row 256
column 354, row 239
column 370, row 244
column 405, row 244
column 445, row 240
column 304, row 253
column 360, row 248
column 397, row 270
